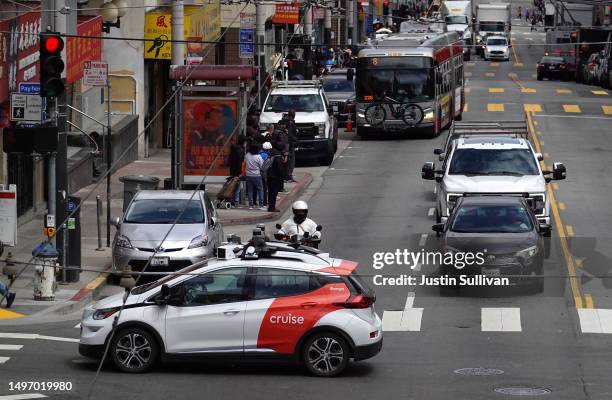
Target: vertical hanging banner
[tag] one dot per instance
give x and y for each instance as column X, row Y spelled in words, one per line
column 83, row 49
column 207, row 125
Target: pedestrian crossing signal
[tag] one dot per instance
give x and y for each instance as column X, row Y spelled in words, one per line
column 49, row 232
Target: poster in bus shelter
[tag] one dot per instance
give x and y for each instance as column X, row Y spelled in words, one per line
column 207, row 126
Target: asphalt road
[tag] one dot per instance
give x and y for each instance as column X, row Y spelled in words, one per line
column 372, row 200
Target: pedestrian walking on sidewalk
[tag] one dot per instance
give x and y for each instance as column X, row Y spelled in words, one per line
column 5, row 293
column 275, row 176
column 292, row 138
column 527, row 14
column 253, row 163
column 264, row 153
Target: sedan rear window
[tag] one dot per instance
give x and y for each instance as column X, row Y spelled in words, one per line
column 165, row 211
column 485, row 219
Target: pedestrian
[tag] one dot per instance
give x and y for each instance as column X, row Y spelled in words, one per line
column 236, row 158
column 526, row 14
column 253, row 163
column 292, row 137
column 533, row 22
column 265, row 154
column 520, row 14
column 275, row 176
column 6, row 293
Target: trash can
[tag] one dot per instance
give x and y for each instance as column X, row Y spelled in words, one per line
column 134, row 183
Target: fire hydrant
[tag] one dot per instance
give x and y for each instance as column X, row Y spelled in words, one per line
column 44, row 278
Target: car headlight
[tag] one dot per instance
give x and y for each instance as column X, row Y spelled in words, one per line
column 265, row 126
column 526, row 255
column 198, row 241
column 123, row 241
column 104, row 313
column 451, row 201
column 321, row 128
column 428, row 115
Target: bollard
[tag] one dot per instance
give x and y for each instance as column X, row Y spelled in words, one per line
column 44, row 277
column 98, row 215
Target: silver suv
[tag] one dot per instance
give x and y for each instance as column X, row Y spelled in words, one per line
column 146, row 223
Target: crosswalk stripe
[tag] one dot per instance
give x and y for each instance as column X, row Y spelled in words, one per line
column 571, row 108
column 494, row 64
column 10, row 346
column 496, row 90
column 467, row 89
column 411, row 319
column 470, row 64
column 532, row 107
column 494, row 319
column 595, row 320
column 465, row 107
column 528, row 90
column 490, row 74
column 564, row 91
column 392, row 321
column 518, row 64
column 607, row 110
column 4, row 359
column 495, row 107
column 24, row 396
column 467, row 74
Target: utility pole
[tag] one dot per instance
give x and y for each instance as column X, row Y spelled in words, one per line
column 260, row 31
column 109, row 162
column 355, row 17
column 178, row 32
column 350, row 21
column 308, row 40
column 327, row 25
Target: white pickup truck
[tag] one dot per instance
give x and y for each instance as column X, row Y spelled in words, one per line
column 490, row 158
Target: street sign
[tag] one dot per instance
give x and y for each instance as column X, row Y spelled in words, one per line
column 95, row 73
column 8, row 214
column 49, row 221
column 29, row 88
column 247, row 38
column 247, row 21
column 26, row 107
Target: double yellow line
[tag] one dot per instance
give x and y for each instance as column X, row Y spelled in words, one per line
column 580, row 301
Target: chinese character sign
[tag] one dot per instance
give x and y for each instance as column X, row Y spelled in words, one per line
column 207, row 125
column 82, row 49
column 286, row 14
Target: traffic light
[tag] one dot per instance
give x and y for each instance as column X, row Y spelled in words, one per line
column 51, row 64
column 29, row 140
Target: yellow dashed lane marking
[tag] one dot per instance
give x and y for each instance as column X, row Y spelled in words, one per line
column 496, row 90
column 6, row 314
column 528, row 90
column 561, row 205
column 564, row 91
column 495, row 107
column 512, row 75
column 494, row 64
column 518, row 64
column 470, row 64
column 607, row 110
column 465, row 107
column 589, row 300
column 468, row 90
column 599, row 92
column 571, row 108
column 532, row 107
column 570, row 230
column 490, row 74
column 578, row 263
column 467, row 74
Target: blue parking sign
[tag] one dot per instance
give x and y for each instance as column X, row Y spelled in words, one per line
column 247, row 38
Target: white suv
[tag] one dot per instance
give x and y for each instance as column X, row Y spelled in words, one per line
column 314, row 118
column 491, row 165
column 259, row 299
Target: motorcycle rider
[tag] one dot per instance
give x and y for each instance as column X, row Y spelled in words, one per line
column 300, row 223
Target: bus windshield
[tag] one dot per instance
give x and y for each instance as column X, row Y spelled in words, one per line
column 491, row 26
column 401, row 79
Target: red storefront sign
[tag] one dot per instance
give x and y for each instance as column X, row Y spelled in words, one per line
column 4, row 39
column 286, row 14
column 79, row 50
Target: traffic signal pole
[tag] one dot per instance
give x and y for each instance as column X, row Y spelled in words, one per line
column 109, row 161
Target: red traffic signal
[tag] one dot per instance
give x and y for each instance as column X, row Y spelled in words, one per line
column 51, row 64
column 52, row 44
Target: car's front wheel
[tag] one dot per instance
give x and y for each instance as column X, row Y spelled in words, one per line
column 134, row 350
column 325, row 354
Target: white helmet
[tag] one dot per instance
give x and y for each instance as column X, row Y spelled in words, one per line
column 300, row 211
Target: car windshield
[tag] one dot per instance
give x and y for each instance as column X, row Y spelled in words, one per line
column 456, row 19
column 338, row 85
column 148, row 286
column 493, row 162
column 497, row 42
column 299, row 102
column 485, row 219
column 165, row 211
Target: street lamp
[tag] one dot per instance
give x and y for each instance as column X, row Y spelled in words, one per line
column 111, row 13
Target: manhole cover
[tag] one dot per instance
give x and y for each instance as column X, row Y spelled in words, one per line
column 479, row 371
column 523, row 391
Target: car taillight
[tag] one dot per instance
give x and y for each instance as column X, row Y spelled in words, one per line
column 562, row 66
column 357, row 301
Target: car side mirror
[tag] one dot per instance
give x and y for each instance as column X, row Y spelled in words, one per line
column 319, row 228
column 115, row 222
column 559, row 171
column 428, row 171
column 544, row 228
column 278, row 226
column 539, row 156
column 164, row 296
column 214, row 221
column 439, row 228
column 438, row 151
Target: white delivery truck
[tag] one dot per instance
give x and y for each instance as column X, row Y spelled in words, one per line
column 492, row 19
column 457, row 15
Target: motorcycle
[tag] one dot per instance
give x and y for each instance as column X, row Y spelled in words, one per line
column 304, row 239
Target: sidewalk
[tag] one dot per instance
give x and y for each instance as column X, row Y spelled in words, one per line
column 71, row 297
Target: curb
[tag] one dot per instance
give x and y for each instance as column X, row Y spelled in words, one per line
column 83, row 296
column 282, row 205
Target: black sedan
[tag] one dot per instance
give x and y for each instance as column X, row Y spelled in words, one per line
column 553, row 68
column 340, row 92
column 503, row 236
